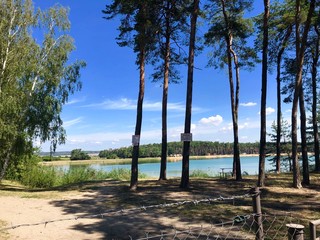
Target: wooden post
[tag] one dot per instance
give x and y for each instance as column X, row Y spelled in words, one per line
column 295, row 231
column 256, row 204
column 313, row 229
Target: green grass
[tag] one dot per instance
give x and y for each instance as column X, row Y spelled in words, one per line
column 200, row 174
column 79, row 174
column 39, row 177
column 122, row 174
column 47, row 177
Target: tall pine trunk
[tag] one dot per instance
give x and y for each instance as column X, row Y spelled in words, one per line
column 300, row 49
column 234, row 98
column 314, row 103
column 279, row 111
column 187, row 125
column 135, row 150
column 164, row 146
column 262, row 149
column 236, row 150
column 303, row 132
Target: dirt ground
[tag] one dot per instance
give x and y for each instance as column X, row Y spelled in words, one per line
column 108, row 210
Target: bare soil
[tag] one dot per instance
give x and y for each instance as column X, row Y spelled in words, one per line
column 108, row 210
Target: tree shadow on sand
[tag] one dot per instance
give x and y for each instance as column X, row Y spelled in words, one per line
column 122, row 213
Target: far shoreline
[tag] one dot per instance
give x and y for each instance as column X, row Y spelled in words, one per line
column 141, row 160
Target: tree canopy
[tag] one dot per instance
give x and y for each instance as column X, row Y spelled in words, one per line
column 36, row 77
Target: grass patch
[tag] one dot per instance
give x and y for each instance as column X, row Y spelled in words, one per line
column 200, row 174
column 123, row 174
column 79, row 174
column 39, row 177
column 47, row 177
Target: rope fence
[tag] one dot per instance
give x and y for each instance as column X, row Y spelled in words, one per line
column 257, row 225
column 114, row 212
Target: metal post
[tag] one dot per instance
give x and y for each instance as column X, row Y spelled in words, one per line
column 313, row 229
column 295, row 231
column 256, row 204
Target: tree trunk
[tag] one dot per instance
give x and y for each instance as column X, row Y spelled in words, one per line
column 300, row 49
column 279, row 111
column 164, row 147
column 279, row 115
column 187, row 127
column 262, row 149
column 234, row 121
column 135, row 150
column 303, row 131
column 234, row 99
column 314, row 103
column 4, row 167
column 236, row 150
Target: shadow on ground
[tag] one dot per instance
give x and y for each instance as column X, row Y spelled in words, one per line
column 122, row 214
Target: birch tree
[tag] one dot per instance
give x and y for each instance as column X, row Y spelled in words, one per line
column 36, row 78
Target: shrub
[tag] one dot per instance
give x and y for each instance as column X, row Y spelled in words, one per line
column 78, row 154
column 39, row 177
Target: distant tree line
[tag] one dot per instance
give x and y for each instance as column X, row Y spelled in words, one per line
column 198, row 148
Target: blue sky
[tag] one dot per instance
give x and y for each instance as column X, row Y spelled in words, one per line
column 103, row 114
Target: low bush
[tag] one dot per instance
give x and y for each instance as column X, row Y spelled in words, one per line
column 39, row 177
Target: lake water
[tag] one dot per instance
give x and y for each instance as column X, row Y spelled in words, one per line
column 210, row 166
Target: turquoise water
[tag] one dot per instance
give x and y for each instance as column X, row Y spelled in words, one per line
column 210, row 166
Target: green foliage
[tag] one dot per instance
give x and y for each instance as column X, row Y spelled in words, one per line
column 30, row 173
column 20, row 164
column 285, row 131
column 33, row 175
column 77, row 174
column 234, row 26
column 39, row 177
column 77, row 154
column 50, row 158
column 36, row 78
column 170, row 25
column 137, row 29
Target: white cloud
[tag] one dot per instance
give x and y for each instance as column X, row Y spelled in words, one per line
column 75, row 100
column 242, row 126
column 129, row 104
column 228, row 127
column 214, row 120
column 248, row 104
column 121, row 104
column 270, row 110
column 72, row 122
